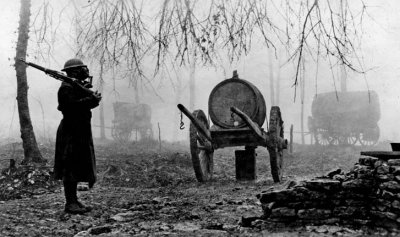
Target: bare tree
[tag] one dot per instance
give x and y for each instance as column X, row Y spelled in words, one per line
column 31, row 150
column 193, row 26
column 211, row 29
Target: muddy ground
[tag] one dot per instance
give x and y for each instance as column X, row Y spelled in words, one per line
column 147, row 191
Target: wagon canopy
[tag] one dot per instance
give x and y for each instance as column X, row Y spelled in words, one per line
column 132, row 115
column 362, row 106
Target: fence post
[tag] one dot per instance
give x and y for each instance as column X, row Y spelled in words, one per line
column 291, row 139
column 159, row 134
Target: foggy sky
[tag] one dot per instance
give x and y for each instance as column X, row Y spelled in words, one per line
column 380, row 52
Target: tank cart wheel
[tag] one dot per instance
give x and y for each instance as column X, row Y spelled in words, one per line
column 370, row 137
column 275, row 149
column 321, row 137
column 202, row 157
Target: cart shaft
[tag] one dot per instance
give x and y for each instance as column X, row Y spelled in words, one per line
column 199, row 126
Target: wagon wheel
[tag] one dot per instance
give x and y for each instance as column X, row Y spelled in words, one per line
column 369, row 137
column 202, row 157
column 275, row 149
column 333, row 139
column 146, row 133
column 121, row 135
column 348, row 139
column 321, row 137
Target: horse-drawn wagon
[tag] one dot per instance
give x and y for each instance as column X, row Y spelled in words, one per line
column 237, row 109
column 345, row 118
column 129, row 117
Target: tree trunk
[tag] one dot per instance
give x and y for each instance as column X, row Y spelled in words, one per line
column 136, row 88
column 192, row 85
column 101, row 107
column 303, row 86
column 343, row 78
column 271, row 79
column 278, row 84
column 31, row 150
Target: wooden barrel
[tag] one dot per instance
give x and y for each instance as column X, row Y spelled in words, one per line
column 236, row 93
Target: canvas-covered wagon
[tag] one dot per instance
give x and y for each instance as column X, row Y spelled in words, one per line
column 237, row 110
column 130, row 118
column 340, row 118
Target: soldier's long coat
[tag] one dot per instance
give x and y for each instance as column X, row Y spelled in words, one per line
column 74, row 155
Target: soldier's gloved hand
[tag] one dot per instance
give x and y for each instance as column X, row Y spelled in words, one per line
column 97, row 96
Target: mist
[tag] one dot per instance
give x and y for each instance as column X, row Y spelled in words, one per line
column 378, row 51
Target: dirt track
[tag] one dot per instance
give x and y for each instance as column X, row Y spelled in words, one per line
column 145, row 191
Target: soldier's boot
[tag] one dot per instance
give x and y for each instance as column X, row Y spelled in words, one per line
column 72, row 205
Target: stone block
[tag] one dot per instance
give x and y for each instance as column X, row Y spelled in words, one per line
column 379, row 163
column 368, row 175
column 314, row 213
column 396, row 205
column 395, row 169
column 388, row 195
column 355, row 203
column 349, row 211
column 383, row 169
column 267, row 208
column 283, row 212
column 367, row 160
column 390, row 186
column 394, row 162
column 333, row 172
column 381, row 204
column 384, row 177
column 307, row 194
column 358, row 185
column 387, row 223
column 329, row 185
column 358, row 168
column 285, row 195
column 362, row 222
column 339, row 177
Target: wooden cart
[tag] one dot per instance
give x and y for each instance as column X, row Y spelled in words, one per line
column 237, row 109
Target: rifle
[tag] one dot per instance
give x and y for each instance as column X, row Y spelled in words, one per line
column 61, row 77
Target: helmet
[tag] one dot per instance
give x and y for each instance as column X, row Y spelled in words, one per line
column 73, row 63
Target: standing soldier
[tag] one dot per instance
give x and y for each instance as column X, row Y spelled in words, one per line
column 74, row 156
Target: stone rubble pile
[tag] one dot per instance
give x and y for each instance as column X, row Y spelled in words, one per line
column 368, row 195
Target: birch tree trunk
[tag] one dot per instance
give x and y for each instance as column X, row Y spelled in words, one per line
column 31, row 150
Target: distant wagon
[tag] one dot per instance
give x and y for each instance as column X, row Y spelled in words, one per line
column 129, row 118
column 345, row 118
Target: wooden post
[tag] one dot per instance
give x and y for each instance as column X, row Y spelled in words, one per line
column 245, row 162
column 291, row 139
